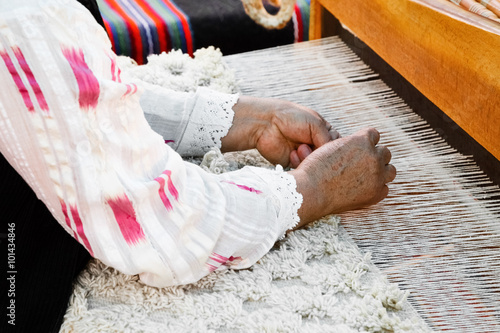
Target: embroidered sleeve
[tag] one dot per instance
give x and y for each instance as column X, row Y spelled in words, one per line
column 248, row 239
column 284, row 189
column 78, row 136
column 191, row 123
column 210, row 120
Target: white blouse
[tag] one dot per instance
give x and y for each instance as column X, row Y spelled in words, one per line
column 78, row 136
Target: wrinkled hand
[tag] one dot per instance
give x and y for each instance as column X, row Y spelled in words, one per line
column 284, row 133
column 345, row 174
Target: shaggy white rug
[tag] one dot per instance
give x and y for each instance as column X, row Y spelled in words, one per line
column 314, row 280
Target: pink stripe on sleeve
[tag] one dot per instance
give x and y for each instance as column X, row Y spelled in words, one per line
column 218, row 258
column 221, row 259
column 171, row 187
column 88, row 84
column 243, row 187
column 66, row 217
column 131, row 89
column 78, row 223
column 161, row 192
column 31, row 78
column 18, row 81
column 112, row 58
column 126, row 218
column 211, row 268
column 79, row 228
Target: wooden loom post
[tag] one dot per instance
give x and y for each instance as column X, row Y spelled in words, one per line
column 315, row 21
column 450, row 55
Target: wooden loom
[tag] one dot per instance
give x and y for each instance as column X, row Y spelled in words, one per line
column 450, row 55
column 438, row 233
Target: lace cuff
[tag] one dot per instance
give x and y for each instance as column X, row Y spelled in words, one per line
column 287, row 199
column 210, row 121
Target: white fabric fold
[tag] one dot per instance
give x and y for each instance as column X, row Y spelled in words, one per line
column 78, row 136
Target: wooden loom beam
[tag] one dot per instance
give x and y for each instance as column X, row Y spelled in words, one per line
column 450, row 55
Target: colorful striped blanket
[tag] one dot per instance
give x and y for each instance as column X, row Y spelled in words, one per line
column 138, row 28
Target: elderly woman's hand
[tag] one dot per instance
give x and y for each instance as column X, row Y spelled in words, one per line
column 284, row 133
column 346, row 174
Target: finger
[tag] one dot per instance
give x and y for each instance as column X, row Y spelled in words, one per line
column 383, row 193
column 320, row 135
column 294, row 159
column 390, row 173
column 303, row 151
column 322, row 119
column 334, row 134
column 385, row 153
column 372, row 133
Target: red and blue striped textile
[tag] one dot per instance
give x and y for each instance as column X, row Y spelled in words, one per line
column 302, row 15
column 138, row 28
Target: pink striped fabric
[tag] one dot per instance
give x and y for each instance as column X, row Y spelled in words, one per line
column 18, row 81
column 79, row 234
column 127, row 220
column 163, row 196
column 243, row 187
column 31, row 78
column 88, row 84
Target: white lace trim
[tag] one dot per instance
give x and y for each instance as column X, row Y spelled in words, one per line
column 284, row 189
column 210, row 121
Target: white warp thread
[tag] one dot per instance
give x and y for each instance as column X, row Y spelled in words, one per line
column 438, row 233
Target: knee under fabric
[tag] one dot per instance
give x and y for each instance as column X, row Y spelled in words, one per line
column 45, row 259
